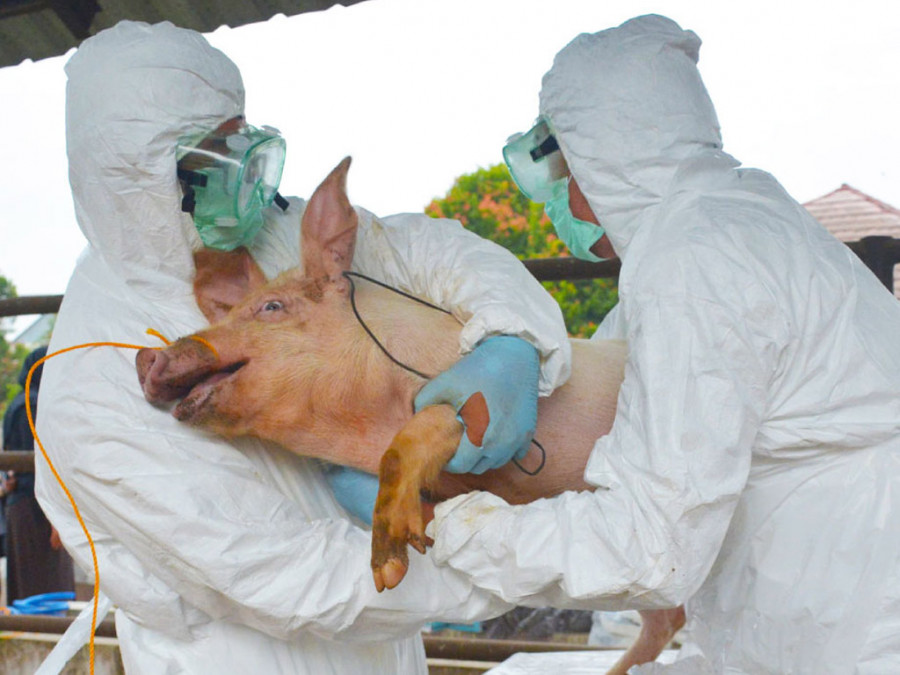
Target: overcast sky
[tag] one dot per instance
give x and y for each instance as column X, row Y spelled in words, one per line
column 421, row 91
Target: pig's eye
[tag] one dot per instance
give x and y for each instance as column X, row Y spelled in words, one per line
column 273, row 306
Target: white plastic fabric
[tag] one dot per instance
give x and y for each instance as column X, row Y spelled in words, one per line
column 569, row 663
column 225, row 557
column 76, row 636
column 753, row 470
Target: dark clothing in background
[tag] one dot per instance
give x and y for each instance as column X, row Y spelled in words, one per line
column 32, row 566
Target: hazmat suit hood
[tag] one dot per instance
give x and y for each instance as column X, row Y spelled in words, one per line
column 633, row 119
column 27, row 365
column 139, row 100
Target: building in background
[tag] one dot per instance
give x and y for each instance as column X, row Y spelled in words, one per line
column 851, row 215
column 37, row 332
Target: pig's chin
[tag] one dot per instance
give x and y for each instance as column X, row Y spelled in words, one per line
column 200, row 400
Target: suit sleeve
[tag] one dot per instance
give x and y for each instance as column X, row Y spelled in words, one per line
column 482, row 283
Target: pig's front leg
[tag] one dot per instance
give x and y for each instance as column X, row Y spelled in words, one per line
column 412, row 462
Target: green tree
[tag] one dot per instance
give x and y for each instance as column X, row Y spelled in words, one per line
column 11, row 355
column 488, row 203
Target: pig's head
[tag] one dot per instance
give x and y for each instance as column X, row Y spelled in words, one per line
column 255, row 369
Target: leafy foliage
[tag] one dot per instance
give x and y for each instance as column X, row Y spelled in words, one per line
column 488, row 203
column 11, row 355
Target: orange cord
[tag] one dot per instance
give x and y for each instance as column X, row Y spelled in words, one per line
column 56, row 473
column 156, row 333
column 206, row 343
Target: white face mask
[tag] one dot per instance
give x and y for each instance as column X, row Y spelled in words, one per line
column 578, row 235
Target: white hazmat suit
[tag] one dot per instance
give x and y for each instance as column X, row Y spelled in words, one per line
column 753, row 469
column 228, row 557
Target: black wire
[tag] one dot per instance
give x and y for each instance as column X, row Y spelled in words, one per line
column 349, row 277
column 349, row 274
column 540, row 466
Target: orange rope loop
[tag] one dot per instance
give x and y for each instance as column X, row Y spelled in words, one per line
column 156, row 333
column 206, row 343
column 56, row 473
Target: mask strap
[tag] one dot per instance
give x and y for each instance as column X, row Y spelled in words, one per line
column 189, row 179
column 548, row 147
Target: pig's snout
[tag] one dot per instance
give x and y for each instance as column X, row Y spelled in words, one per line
column 169, row 374
column 151, row 364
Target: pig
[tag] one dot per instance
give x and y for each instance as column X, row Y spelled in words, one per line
column 289, row 361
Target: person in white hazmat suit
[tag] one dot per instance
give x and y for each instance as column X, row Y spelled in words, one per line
column 228, row 557
column 753, row 468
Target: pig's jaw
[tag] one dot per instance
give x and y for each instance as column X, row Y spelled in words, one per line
column 198, row 405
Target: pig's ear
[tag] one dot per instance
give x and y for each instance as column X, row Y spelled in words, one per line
column 223, row 279
column 328, row 230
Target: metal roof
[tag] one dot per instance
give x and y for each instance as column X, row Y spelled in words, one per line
column 38, row 29
column 37, row 332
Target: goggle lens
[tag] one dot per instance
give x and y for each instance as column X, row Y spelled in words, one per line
column 261, row 175
column 535, row 161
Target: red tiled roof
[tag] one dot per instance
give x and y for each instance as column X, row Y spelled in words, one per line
column 851, row 215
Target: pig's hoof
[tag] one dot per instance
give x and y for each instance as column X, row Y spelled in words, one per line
column 396, row 522
column 389, row 556
column 389, row 575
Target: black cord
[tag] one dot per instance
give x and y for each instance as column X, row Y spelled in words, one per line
column 540, row 466
column 349, row 277
column 349, row 274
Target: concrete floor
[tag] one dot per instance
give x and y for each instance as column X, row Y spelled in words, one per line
column 23, row 653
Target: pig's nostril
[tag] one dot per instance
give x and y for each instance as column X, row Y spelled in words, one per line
column 149, row 362
column 143, row 361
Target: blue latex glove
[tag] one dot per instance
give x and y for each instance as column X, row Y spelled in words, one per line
column 505, row 371
column 354, row 490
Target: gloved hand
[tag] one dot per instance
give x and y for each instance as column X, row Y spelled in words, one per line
column 494, row 389
column 354, row 490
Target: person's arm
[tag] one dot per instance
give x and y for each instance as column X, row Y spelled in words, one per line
column 668, row 475
column 483, row 284
column 611, row 327
column 513, row 343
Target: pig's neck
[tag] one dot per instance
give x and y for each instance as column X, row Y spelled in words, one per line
column 373, row 394
column 420, row 337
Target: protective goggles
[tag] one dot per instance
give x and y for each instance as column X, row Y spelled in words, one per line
column 535, row 161
column 232, row 173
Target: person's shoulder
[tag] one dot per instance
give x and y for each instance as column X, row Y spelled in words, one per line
column 15, row 418
column 16, row 405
